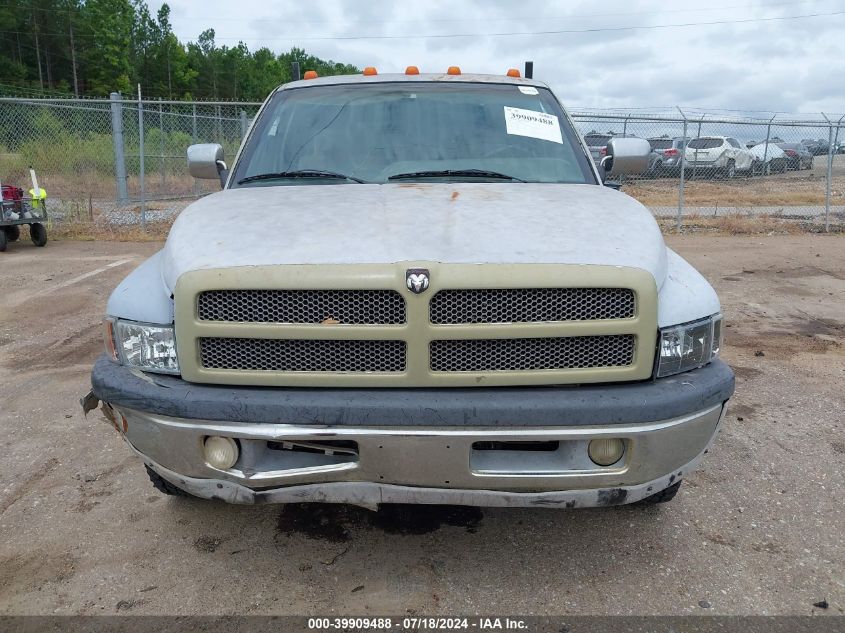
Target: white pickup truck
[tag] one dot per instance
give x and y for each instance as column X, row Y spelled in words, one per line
column 415, row 288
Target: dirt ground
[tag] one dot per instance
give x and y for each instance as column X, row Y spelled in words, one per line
column 757, row 530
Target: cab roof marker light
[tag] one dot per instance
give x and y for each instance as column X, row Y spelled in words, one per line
column 369, row 71
column 412, row 70
column 453, row 70
column 513, row 72
column 310, row 74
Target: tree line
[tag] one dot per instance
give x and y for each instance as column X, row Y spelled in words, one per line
column 94, row 47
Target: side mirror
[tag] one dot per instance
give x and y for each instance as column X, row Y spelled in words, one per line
column 625, row 156
column 205, row 160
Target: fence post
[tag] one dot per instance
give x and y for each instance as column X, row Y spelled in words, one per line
column 193, row 142
column 683, row 170
column 141, row 156
column 830, row 164
column 829, row 174
column 117, row 140
column 698, row 135
column 161, row 143
column 243, row 124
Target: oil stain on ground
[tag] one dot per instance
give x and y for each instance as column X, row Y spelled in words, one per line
column 337, row 523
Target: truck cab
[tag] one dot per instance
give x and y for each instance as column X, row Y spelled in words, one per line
column 415, row 288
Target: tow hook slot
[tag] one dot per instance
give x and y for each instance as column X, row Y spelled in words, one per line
column 341, row 447
column 551, row 445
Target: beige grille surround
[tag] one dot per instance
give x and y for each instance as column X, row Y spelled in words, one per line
column 417, row 331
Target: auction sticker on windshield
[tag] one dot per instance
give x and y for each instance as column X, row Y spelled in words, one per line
column 532, row 124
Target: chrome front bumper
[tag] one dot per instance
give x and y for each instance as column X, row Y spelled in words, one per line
column 422, row 464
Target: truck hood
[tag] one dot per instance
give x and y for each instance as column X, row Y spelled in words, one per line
column 461, row 223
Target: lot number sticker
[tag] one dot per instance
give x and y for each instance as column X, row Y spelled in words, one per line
column 532, row 124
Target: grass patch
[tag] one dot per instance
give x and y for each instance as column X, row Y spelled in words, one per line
column 745, row 224
column 796, row 189
column 95, row 232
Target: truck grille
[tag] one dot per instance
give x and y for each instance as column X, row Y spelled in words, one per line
column 352, row 307
column 359, row 326
column 531, row 305
column 525, row 354
column 302, row 355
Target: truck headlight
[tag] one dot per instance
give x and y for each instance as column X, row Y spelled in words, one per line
column 145, row 346
column 689, row 345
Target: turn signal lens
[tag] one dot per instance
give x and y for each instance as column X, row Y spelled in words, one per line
column 605, row 452
column 220, row 452
column 513, row 72
column 108, row 339
column 453, row 70
column 369, row 71
column 310, row 74
column 412, row 70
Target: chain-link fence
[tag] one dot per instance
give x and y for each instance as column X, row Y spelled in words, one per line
column 115, row 160
column 706, row 163
column 122, row 160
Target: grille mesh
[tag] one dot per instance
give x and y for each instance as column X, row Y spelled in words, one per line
column 354, row 307
column 527, row 305
column 302, row 355
column 524, row 354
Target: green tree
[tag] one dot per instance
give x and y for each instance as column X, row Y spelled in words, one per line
column 94, row 47
column 111, row 24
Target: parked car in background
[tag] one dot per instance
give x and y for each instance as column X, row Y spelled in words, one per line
column 817, row 147
column 665, row 155
column 597, row 144
column 718, row 155
column 768, row 159
column 797, row 156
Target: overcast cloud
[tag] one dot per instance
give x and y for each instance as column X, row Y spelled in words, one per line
column 790, row 66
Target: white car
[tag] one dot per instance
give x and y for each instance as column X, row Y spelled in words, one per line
column 768, row 158
column 722, row 155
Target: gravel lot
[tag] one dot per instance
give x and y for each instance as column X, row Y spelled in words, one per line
column 757, row 530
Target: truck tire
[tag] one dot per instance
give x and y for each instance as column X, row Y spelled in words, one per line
column 3, row 241
column 13, row 232
column 664, row 496
column 162, row 485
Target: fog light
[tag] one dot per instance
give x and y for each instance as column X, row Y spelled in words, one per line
column 221, row 452
column 606, row 451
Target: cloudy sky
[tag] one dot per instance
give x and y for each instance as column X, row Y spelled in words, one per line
column 587, row 51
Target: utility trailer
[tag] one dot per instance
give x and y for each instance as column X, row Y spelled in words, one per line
column 16, row 210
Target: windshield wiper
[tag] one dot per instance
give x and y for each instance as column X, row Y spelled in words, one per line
column 300, row 173
column 461, row 173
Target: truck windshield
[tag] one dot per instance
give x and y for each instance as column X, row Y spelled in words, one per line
column 411, row 131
